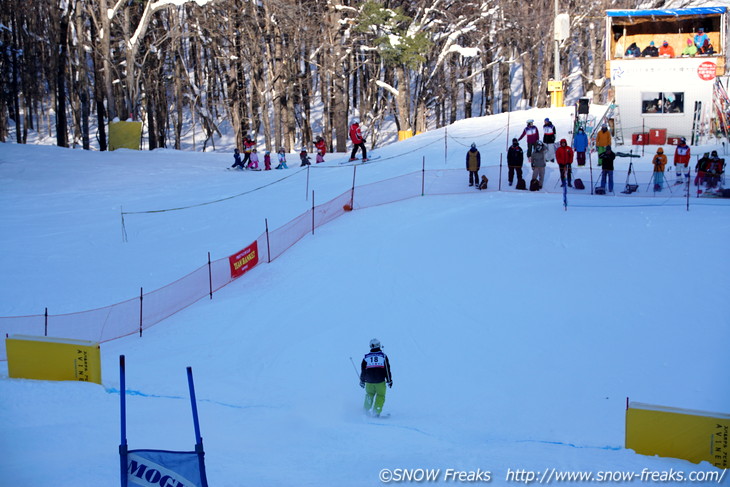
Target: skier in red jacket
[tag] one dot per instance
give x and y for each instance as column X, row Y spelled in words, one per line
column 681, row 160
column 358, row 141
column 564, row 158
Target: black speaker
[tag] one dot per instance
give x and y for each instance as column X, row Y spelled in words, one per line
column 583, row 106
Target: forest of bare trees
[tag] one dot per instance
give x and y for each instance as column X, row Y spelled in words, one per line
column 282, row 70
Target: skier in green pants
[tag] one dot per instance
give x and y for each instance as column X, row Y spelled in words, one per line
column 374, row 375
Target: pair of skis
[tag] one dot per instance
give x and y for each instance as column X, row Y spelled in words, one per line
column 359, row 161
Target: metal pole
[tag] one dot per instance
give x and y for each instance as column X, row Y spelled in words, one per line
column 423, row 177
column 210, row 277
column 312, row 211
column 499, row 187
column 352, row 193
column 557, row 46
column 141, row 298
column 446, row 143
column 590, row 166
column 268, row 246
column 123, row 422
column 45, row 330
column 306, row 191
column 196, row 424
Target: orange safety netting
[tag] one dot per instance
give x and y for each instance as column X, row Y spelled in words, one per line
column 135, row 315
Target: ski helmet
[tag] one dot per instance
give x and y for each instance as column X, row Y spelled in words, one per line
column 473, row 145
column 374, row 343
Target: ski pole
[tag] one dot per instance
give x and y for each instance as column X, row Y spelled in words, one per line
column 353, row 366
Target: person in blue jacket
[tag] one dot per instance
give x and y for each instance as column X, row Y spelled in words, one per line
column 580, row 146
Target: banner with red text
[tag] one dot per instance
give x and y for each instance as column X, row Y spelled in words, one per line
column 244, row 260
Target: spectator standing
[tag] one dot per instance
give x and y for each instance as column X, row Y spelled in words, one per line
column 580, row 145
column 564, row 158
column 538, row 164
column 374, row 375
column 660, row 162
column 700, row 39
column 603, row 140
column 548, row 139
column 248, row 145
column 533, row 136
column 473, row 164
column 607, row 159
column 358, row 141
column 666, row 50
column 681, row 160
column 515, row 158
column 715, row 168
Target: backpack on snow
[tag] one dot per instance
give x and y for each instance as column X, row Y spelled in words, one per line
column 534, row 185
column 483, row 183
column 578, row 184
column 521, row 184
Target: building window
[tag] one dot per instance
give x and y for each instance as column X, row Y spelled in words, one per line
column 662, row 102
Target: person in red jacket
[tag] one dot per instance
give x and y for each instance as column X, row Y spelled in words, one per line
column 681, row 160
column 321, row 147
column 358, row 141
column 564, row 158
column 248, row 145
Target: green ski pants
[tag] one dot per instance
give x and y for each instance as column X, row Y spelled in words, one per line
column 374, row 393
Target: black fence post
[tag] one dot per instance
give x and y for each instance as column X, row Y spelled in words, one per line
column 210, row 277
column 268, row 245
column 141, row 298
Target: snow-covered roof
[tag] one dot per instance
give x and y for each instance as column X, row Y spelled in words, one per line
column 675, row 12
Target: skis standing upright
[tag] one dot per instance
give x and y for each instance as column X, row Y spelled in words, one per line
column 696, row 123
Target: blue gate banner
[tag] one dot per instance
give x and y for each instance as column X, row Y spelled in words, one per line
column 159, row 468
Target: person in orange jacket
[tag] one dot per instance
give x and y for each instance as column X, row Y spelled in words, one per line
column 666, row 50
column 660, row 162
column 681, row 161
column 564, row 158
column 603, row 140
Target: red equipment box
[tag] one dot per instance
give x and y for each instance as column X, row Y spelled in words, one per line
column 657, row 136
column 640, row 139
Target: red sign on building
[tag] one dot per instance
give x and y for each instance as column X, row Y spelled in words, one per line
column 706, row 71
column 244, row 260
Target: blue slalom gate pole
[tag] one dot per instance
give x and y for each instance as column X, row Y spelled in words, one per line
column 123, row 412
column 198, row 439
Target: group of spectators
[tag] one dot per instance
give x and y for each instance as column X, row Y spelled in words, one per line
column 699, row 44
column 709, row 168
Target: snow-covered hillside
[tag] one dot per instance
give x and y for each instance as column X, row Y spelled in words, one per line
column 515, row 329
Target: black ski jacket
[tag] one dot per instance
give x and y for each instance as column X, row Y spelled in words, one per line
column 375, row 367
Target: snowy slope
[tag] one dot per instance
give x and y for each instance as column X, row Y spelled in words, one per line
column 515, row 329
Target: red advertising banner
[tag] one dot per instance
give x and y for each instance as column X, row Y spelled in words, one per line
column 244, row 260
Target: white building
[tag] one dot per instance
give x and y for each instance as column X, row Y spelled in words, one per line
column 675, row 95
